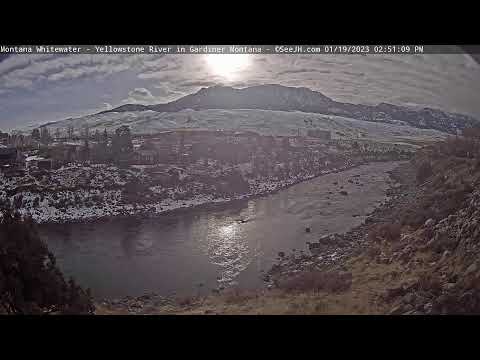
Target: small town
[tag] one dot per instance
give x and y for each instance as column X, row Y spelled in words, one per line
column 76, row 175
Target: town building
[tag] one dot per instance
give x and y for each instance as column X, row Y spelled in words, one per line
column 11, row 158
column 320, row 134
column 145, row 157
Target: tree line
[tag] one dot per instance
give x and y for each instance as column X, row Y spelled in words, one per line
column 117, row 147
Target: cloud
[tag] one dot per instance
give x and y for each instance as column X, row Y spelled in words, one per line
column 351, row 73
column 141, row 93
column 296, row 71
column 37, row 87
column 164, row 92
column 199, row 83
column 25, row 71
column 107, row 106
column 144, row 96
column 139, row 96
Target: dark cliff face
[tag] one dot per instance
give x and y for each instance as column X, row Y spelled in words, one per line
column 284, row 98
column 266, row 97
column 127, row 107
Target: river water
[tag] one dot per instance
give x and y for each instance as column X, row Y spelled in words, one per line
column 195, row 251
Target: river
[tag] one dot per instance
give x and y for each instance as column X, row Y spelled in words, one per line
column 194, row 251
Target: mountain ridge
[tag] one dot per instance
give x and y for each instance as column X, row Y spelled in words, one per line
column 285, row 98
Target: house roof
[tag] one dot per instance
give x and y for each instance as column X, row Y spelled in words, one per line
column 146, row 152
column 34, row 158
column 8, row 151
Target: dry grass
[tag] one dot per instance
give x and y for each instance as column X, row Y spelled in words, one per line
column 236, row 296
column 424, row 171
column 389, row 232
column 307, row 281
column 369, row 281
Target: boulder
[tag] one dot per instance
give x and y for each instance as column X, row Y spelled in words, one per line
column 326, row 240
column 409, row 298
column 429, row 223
column 395, row 292
column 471, row 269
column 397, row 310
column 407, row 309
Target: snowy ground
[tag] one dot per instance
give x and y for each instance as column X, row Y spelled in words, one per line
column 82, row 193
column 262, row 121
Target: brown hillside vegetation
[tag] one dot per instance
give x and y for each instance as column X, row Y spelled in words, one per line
column 30, row 281
column 418, row 254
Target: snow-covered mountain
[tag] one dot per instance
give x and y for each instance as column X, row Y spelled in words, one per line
column 265, row 97
column 274, row 109
column 261, row 121
column 284, row 98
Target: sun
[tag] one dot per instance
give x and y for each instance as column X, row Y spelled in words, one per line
column 228, row 65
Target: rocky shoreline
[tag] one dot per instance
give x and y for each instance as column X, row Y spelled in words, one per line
column 212, row 204
column 329, row 251
column 416, row 254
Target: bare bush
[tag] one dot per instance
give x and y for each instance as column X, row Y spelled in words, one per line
column 466, row 147
column 430, row 283
column 424, row 171
column 187, row 301
column 235, row 296
column 472, row 132
column 332, row 281
column 389, row 232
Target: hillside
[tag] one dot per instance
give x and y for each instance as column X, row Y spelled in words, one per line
column 283, row 98
column 417, row 254
column 264, row 122
column 271, row 109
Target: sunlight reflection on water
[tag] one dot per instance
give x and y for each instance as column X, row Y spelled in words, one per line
column 226, row 246
column 228, row 249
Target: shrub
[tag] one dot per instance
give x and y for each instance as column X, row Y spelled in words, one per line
column 332, row 281
column 424, row 171
column 467, row 146
column 236, row 296
column 472, row 132
column 30, row 281
column 429, row 282
column 187, row 301
column 389, row 232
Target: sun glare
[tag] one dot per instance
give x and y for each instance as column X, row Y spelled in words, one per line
column 228, row 231
column 228, row 65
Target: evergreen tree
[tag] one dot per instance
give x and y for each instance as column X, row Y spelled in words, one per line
column 86, row 144
column 36, row 134
column 30, row 281
column 86, row 132
column 105, row 136
column 122, row 146
column 70, row 131
column 101, row 149
column 45, row 137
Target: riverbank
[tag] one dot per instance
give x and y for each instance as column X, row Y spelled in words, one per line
column 416, row 255
column 336, row 249
column 232, row 244
column 50, row 214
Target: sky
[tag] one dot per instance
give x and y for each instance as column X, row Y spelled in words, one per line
column 43, row 88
